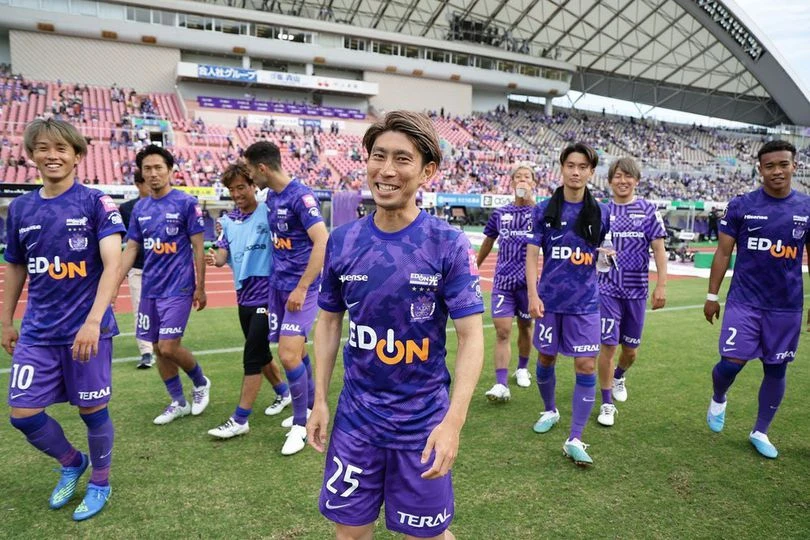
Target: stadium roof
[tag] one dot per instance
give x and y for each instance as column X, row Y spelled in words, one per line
column 698, row 56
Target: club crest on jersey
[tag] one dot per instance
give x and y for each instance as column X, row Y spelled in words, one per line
column 78, row 242
column 172, row 223
column 637, row 219
column 799, row 226
column 422, row 309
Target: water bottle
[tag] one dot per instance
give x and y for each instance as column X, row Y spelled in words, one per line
column 604, row 261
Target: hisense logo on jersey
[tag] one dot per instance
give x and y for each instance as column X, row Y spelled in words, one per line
column 57, row 269
column 754, row 216
column 425, row 280
column 353, row 277
column 389, row 349
column 776, row 249
column 30, row 228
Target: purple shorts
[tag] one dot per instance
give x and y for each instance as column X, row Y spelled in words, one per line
column 750, row 333
column 359, row 477
column 508, row 304
column 290, row 323
column 42, row 375
column 567, row 334
column 163, row 318
column 622, row 318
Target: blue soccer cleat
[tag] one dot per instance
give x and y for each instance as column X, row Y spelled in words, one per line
column 716, row 421
column 575, row 449
column 66, row 486
column 546, row 421
column 94, row 501
column 763, row 444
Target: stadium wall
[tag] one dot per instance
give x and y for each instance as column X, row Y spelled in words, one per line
column 190, row 91
column 5, row 48
column 51, row 57
column 488, row 100
column 414, row 93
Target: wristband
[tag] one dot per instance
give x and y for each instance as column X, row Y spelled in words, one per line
column 712, row 297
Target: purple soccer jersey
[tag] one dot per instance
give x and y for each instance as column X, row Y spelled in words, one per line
column 57, row 240
column 247, row 239
column 512, row 226
column 164, row 228
column 399, row 289
column 633, row 226
column 568, row 279
column 770, row 235
column 290, row 214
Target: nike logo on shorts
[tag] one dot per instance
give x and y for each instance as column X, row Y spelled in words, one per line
column 15, row 396
column 330, row 506
column 350, row 306
column 727, row 349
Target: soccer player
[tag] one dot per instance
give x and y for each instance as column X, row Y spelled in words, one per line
column 635, row 226
column 299, row 242
column 399, row 272
column 66, row 238
column 134, row 275
column 512, row 226
column 168, row 226
column 569, row 227
column 245, row 246
column 763, row 314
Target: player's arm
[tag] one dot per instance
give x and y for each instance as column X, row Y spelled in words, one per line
column 216, row 257
column 720, row 263
column 318, row 235
column 536, row 308
column 12, row 289
column 327, row 340
column 128, row 259
column 807, row 247
column 85, row 344
column 198, row 247
column 659, row 297
column 443, row 440
column 486, row 247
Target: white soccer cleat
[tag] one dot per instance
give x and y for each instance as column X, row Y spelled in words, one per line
column 288, row 422
column 278, row 405
column 523, row 378
column 200, row 397
column 172, row 412
column 607, row 414
column 499, row 393
column 231, row 428
column 619, row 390
column 296, row 441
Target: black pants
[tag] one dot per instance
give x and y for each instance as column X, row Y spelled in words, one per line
column 255, row 327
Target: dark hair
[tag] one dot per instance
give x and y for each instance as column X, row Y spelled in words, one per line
column 776, row 146
column 152, row 150
column 580, row 148
column 138, row 177
column 263, row 152
column 234, row 171
column 416, row 126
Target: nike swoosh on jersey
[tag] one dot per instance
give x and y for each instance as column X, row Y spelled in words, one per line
column 350, row 306
column 751, row 229
column 556, row 237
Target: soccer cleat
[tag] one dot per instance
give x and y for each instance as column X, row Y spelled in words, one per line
column 199, row 397
column 499, row 393
column 575, row 449
column 231, row 428
column 763, row 444
column 716, row 421
column 172, row 412
column 278, row 405
column 296, row 441
column 619, row 390
column 145, row 362
column 66, row 487
column 288, row 422
column 607, row 414
column 546, row 421
column 93, row 502
column 523, row 378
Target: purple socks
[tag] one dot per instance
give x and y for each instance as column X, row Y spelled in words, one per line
column 100, row 436
column 46, row 435
column 175, row 388
column 618, row 373
column 607, row 396
column 523, row 362
column 723, row 376
column 501, row 376
column 310, row 382
column 196, row 376
column 582, row 403
column 771, row 392
column 297, row 379
column 547, row 384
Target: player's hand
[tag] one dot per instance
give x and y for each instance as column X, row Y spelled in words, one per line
column 200, row 299
column 536, row 307
column 85, row 344
column 211, row 257
column 217, row 228
column 659, row 297
column 9, row 339
column 296, row 299
column 711, row 310
column 318, row 427
column 443, row 443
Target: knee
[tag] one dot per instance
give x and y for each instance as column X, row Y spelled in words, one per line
column 585, row 366
column 167, row 349
column 546, row 361
column 503, row 334
column 775, row 371
column 253, row 363
column 629, row 354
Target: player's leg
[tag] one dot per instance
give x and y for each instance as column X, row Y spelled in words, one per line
column 353, row 485
column 631, row 327
column 503, row 351
column 174, row 313
column 144, row 345
column 610, row 322
column 546, row 341
column 524, row 344
column 579, row 338
column 416, row 507
column 310, row 379
column 739, row 342
column 35, row 382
